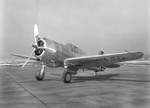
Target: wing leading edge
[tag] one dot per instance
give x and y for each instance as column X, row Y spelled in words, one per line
column 103, row 60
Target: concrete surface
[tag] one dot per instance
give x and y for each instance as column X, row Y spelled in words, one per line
column 124, row 87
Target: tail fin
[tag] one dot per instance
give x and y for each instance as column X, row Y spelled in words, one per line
column 36, row 33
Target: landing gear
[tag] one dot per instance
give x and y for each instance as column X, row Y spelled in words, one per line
column 99, row 69
column 67, row 77
column 95, row 73
column 40, row 75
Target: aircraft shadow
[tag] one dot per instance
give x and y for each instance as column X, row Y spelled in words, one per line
column 77, row 79
column 94, row 78
column 130, row 80
column 109, row 77
column 105, row 77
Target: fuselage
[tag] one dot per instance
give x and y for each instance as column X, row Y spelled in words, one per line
column 51, row 58
column 54, row 54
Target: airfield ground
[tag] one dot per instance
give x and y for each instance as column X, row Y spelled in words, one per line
column 124, row 87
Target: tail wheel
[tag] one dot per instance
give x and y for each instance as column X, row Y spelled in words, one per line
column 66, row 77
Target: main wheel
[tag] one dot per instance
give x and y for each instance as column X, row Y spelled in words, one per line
column 66, row 77
column 39, row 75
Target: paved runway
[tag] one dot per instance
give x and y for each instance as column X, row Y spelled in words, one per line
column 125, row 87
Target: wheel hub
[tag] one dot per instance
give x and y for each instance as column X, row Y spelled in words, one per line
column 68, row 77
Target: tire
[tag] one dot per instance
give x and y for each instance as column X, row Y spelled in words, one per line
column 39, row 76
column 66, row 77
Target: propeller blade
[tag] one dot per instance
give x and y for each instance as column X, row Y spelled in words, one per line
column 36, row 36
column 28, row 59
column 51, row 49
column 36, row 33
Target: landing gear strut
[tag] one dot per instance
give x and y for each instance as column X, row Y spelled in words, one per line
column 66, row 77
column 40, row 75
column 95, row 73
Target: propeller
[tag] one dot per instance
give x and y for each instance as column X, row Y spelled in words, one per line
column 28, row 59
column 35, row 45
column 36, row 34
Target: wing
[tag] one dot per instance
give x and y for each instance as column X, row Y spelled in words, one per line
column 24, row 57
column 102, row 60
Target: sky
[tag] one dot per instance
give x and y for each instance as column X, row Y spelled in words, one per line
column 93, row 25
column 1, row 30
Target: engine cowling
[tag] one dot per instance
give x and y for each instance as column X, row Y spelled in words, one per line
column 39, row 49
column 40, row 43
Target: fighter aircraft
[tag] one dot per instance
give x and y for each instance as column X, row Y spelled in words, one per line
column 53, row 54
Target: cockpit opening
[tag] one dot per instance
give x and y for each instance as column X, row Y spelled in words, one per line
column 101, row 52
